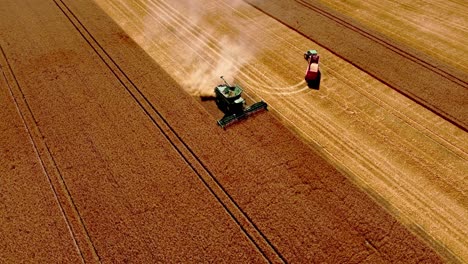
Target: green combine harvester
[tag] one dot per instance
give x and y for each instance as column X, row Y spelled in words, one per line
column 229, row 100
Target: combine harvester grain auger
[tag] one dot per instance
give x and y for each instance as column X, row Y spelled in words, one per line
column 229, row 100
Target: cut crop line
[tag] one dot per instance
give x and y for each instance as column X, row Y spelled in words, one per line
column 373, row 5
column 404, row 118
column 187, row 29
column 362, row 91
column 397, row 113
column 204, row 39
column 370, row 96
column 316, row 112
column 377, row 102
column 355, row 85
column 408, row 35
column 448, row 117
column 332, row 134
column 371, row 155
column 385, row 43
column 388, row 181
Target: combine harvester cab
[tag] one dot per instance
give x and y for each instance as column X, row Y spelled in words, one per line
column 229, row 100
column 312, row 75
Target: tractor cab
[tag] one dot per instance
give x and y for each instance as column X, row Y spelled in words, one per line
column 311, row 55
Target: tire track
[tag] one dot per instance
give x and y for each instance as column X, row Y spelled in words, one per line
column 372, row 11
column 206, row 39
column 363, row 91
column 385, row 43
column 251, row 76
column 331, row 133
column 264, row 246
column 431, row 106
column 193, row 34
column 65, row 201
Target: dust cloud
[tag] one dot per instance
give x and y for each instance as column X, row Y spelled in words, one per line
column 210, row 41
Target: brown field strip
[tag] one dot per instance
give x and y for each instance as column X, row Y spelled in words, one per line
column 138, row 198
column 151, row 176
column 32, row 220
column 408, row 158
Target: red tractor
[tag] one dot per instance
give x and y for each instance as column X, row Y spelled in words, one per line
column 313, row 75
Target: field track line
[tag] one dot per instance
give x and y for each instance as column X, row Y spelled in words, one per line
column 252, row 232
column 389, row 29
column 414, row 97
column 396, row 112
column 62, row 195
column 385, row 43
column 191, row 29
column 214, row 49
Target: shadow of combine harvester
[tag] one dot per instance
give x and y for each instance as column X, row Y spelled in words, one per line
column 229, row 100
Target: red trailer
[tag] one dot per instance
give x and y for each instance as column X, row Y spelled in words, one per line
column 312, row 75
